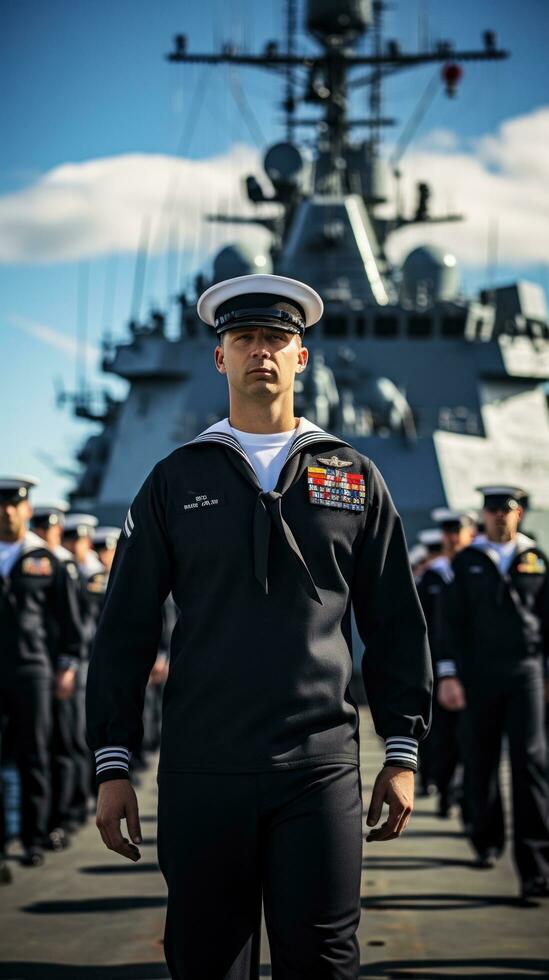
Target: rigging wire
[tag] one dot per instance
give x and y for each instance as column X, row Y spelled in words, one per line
column 140, row 269
column 109, row 295
column 415, row 119
column 171, row 264
column 183, row 146
column 245, row 108
column 82, row 305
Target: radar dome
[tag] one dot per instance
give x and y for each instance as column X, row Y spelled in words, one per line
column 239, row 260
column 283, row 164
column 429, row 274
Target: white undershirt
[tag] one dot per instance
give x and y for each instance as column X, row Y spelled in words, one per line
column 505, row 551
column 267, row 453
column 9, row 553
column 501, row 552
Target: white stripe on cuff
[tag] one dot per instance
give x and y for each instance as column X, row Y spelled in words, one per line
column 446, row 668
column 400, row 748
column 112, row 757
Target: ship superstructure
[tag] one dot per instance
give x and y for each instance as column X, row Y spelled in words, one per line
column 443, row 392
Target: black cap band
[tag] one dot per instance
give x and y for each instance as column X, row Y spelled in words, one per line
column 13, row 495
column 497, row 502
column 43, row 521
column 281, row 319
column 261, row 309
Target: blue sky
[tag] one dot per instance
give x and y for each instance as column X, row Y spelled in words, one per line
column 89, row 87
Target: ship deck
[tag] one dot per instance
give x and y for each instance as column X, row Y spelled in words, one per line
column 426, row 911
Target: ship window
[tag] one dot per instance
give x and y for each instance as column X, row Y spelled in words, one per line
column 386, row 326
column 335, row 326
column 361, row 326
column 452, row 326
column 419, row 325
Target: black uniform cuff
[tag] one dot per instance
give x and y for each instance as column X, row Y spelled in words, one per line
column 109, row 774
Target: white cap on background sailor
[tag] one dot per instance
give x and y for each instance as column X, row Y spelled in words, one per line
column 417, row 554
column 260, row 300
column 503, row 497
column 453, row 520
column 49, row 515
column 14, row 489
column 106, row 537
column 431, row 538
column 80, row 526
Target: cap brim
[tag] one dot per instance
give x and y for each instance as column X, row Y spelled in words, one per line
column 292, row 289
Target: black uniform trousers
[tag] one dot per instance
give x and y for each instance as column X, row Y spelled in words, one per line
column 81, row 755
column 292, row 837
column 445, row 738
column 63, row 768
column 509, row 703
column 26, row 703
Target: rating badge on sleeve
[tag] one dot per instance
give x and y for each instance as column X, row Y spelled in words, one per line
column 331, row 487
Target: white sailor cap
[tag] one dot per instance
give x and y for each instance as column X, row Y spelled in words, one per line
column 431, row 537
column 14, row 489
column 508, row 497
column 106, row 537
column 80, row 526
column 260, row 300
column 49, row 515
column 417, row 554
column 447, row 518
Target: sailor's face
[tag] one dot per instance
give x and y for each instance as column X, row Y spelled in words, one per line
column 51, row 535
column 501, row 524
column 13, row 520
column 456, row 538
column 260, row 361
column 79, row 547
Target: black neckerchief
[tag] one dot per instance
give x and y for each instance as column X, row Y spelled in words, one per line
column 268, row 504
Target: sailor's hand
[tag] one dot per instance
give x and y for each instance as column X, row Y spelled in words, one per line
column 117, row 800
column 65, row 682
column 450, row 694
column 394, row 786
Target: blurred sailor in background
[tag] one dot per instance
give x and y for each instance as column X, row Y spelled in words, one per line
column 48, row 522
column 38, row 600
column 495, row 631
column 78, row 538
column 430, row 540
column 442, row 746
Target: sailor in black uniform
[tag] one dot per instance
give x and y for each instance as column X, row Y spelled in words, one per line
column 266, row 529
column 78, row 538
column 38, row 600
column 443, row 744
column 105, row 540
column 430, row 539
column 47, row 522
column 495, row 634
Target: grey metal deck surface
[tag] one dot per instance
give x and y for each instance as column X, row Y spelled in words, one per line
column 427, row 913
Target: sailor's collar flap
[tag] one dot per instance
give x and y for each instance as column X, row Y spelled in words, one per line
column 307, row 434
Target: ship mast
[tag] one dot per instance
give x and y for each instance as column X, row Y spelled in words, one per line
column 337, row 27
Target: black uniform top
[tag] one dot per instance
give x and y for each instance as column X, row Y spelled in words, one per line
column 493, row 621
column 40, row 626
column 430, row 587
column 93, row 578
column 261, row 653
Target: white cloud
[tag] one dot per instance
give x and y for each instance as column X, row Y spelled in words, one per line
column 500, row 184
column 51, row 337
column 80, row 210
